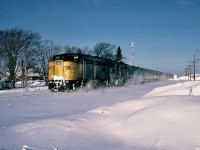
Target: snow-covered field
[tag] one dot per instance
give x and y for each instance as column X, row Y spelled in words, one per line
column 154, row 116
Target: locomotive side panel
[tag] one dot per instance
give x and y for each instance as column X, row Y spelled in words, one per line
column 89, row 71
column 112, row 74
column 71, row 70
column 124, row 72
column 102, row 72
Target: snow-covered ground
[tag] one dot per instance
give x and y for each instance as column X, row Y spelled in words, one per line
column 154, row 116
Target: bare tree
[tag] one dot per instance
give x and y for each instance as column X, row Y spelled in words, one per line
column 1, row 45
column 46, row 50
column 72, row 49
column 77, row 50
column 87, row 51
column 104, row 50
column 2, row 72
column 14, row 43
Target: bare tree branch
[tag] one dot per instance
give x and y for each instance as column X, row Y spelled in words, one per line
column 104, row 50
column 12, row 43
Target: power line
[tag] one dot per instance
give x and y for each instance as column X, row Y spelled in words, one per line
column 165, row 63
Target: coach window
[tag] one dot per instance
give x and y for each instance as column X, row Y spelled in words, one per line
column 103, row 70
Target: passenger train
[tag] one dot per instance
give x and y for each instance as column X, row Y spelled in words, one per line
column 70, row 71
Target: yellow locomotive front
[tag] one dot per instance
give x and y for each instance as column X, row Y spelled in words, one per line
column 64, row 72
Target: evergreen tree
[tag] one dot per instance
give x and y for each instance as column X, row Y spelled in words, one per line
column 119, row 54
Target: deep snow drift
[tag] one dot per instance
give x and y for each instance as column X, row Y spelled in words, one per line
column 159, row 115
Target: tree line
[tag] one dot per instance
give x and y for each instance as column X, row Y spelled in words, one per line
column 22, row 49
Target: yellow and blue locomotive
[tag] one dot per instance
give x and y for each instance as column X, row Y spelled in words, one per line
column 64, row 72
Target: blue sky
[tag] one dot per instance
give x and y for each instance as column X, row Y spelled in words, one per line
column 165, row 32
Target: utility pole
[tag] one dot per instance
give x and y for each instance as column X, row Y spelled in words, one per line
column 132, row 46
column 186, row 73
column 25, row 70
column 189, row 71
column 194, row 64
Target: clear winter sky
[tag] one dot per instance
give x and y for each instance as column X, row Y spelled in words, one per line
column 165, row 32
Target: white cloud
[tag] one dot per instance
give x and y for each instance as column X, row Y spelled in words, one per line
column 92, row 1
column 186, row 2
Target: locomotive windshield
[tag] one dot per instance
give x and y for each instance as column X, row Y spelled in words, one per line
column 67, row 57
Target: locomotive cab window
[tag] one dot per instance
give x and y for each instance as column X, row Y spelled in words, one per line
column 73, row 58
